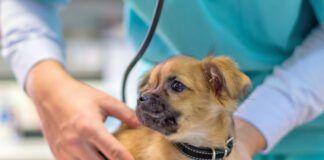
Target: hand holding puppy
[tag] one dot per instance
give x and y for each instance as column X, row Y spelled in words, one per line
column 72, row 115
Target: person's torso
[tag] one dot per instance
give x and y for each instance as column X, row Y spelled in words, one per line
column 257, row 34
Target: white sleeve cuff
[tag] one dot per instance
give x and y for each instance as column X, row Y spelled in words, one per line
column 30, row 53
column 31, row 33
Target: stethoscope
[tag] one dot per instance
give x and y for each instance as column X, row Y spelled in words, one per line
column 145, row 44
column 140, row 53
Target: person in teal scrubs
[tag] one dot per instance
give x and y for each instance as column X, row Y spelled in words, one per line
column 259, row 36
column 278, row 44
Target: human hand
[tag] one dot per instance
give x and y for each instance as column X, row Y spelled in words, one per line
column 72, row 115
column 242, row 151
column 249, row 139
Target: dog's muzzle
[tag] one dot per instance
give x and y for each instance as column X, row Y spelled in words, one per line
column 155, row 113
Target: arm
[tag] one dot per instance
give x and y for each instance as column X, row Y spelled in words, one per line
column 71, row 112
column 31, row 33
column 296, row 90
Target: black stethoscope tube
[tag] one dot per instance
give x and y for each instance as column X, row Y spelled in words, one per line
column 145, row 44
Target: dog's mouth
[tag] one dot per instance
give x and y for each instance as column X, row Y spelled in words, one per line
column 164, row 121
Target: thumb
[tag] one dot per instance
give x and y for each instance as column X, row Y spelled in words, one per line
column 119, row 110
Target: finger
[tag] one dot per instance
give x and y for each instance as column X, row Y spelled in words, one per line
column 63, row 154
column 119, row 110
column 87, row 152
column 109, row 146
column 75, row 149
column 102, row 155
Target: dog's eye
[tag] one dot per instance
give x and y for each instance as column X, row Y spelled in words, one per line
column 177, row 86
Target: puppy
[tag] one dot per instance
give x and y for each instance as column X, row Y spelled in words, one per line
column 186, row 108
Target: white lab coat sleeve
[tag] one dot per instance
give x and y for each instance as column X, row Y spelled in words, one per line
column 31, row 32
column 292, row 95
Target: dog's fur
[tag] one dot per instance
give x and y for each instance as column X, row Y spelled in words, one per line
column 200, row 115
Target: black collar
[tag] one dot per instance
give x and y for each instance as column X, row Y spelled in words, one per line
column 203, row 153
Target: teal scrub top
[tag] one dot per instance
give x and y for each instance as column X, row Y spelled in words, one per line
column 257, row 34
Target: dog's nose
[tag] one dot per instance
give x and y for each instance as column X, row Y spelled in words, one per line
column 151, row 103
column 143, row 98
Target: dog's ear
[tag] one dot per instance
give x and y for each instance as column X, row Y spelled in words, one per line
column 224, row 77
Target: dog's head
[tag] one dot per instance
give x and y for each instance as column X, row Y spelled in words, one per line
column 183, row 95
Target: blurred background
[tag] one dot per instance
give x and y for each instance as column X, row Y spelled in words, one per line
column 98, row 53
column 96, row 46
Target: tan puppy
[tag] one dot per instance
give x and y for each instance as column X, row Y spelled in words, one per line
column 186, row 106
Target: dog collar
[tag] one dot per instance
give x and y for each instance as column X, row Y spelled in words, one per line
column 204, row 153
